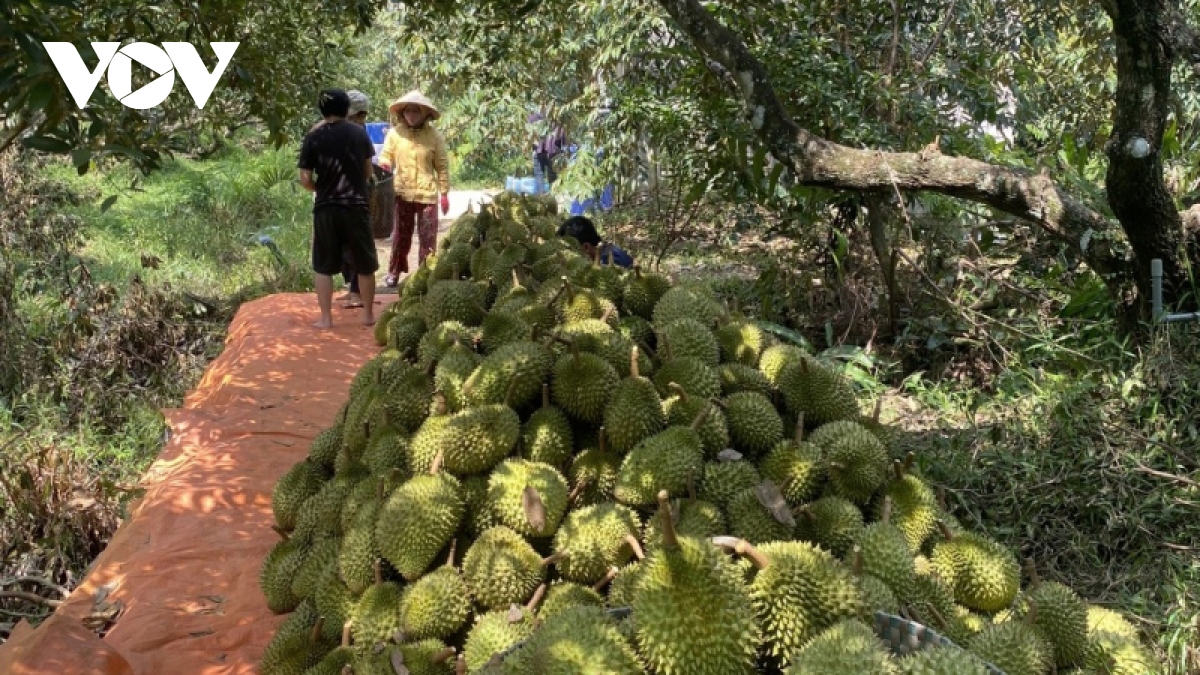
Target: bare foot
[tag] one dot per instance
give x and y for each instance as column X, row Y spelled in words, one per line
column 369, row 320
column 324, row 323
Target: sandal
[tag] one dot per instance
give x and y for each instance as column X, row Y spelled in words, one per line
column 391, row 281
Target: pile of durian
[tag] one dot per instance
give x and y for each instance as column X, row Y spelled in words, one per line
column 557, row 466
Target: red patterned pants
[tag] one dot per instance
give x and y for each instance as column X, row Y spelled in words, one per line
column 409, row 215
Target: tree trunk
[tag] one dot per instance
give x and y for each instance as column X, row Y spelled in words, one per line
column 1137, row 192
column 1149, row 225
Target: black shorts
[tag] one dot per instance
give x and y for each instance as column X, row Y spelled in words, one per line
column 342, row 234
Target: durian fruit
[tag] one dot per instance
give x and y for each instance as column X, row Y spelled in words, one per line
column 423, row 657
column 681, row 408
column 278, row 570
column 617, row 349
column 737, row 377
column 877, row 595
column 387, row 449
column 546, row 436
column 932, row 603
column 321, row 515
column 321, row 556
column 741, row 342
column 856, row 461
column 579, row 641
column 695, row 377
column 943, row 660
column 581, row 304
column 818, row 390
column 589, row 335
column 886, row 555
column 688, row 301
column 641, row 292
column 453, row 260
column 914, row 504
column 301, row 620
column 406, row 394
column 426, row 441
column 635, row 412
column 404, row 333
column 754, row 425
column 635, row 328
column 528, row 497
column 302, row 481
column 689, row 338
column 1103, row 619
column 691, row 518
column 376, row 615
column 380, row 332
column 436, row 605
column 833, row 523
column 760, row 514
column 795, row 467
column 563, row 595
column 1115, row 654
column 1014, row 647
column 493, row 633
column 439, row 338
column 723, row 479
column 454, row 300
column 849, row 646
column 623, row 584
column 501, row 568
column 335, row 661
column 597, row 538
column 453, row 367
column 593, row 476
column 666, row 461
column 359, row 549
column 984, row 574
column 1059, row 615
column 335, row 603
column 777, row 359
column 514, row 373
column 417, row 520
column 582, row 385
column 798, row 591
column 693, row 610
column 294, row 653
column 475, row 439
column 325, row 446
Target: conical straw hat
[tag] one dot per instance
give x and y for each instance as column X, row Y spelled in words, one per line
column 415, row 97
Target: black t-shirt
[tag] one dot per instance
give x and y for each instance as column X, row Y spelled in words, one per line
column 337, row 152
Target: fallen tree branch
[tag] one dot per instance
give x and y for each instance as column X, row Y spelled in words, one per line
column 29, row 597
column 816, row 161
column 62, row 590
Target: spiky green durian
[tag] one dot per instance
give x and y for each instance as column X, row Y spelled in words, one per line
column 635, row 412
column 589, row 335
column 376, row 616
column 493, row 633
column 294, row 653
column 818, row 390
column 795, row 466
column 439, row 338
column 436, row 605
column 579, row 641
column 1014, row 647
column 688, row 301
column 737, row 377
column 454, row 366
column 914, row 504
column 724, row 479
column 513, row 373
column 501, row 568
column 636, row 329
column 754, row 425
column 689, row 338
column 641, row 292
column 984, row 574
column 692, row 518
column 325, row 446
column 668, row 460
column 337, row 660
column 451, row 300
column 528, row 497
column 617, row 349
column 692, row 375
column 833, row 523
column 563, row 595
column 850, row 647
column 302, row 481
column 404, row 333
column 689, row 588
column 417, row 520
column 741, row 342
column 856, row 461
column 546, row 436
column 453, row 261
column 885, row 554
column 321, row 556
column 424, row 657
column 476, row 439
column 427, row 440
column 1115, row 654
column 406, row 392
column 776, row 358
column 943, row 660
column 321, row 514
column 582, row 385
column 752, row 520
column 276, row 574
column 1060, row 616
column 335, row 603
column 359, row 550
column 596, row 538
column 681, row 409
column 582, row 303
column 593, row 473
column 1103, row 619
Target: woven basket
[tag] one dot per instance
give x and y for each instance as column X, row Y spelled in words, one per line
column 902, row 636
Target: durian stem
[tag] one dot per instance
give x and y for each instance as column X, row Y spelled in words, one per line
column 454, row 272
column 460, row 666
column 691, row 484
column 557, row 295
column 453, row 551
column 347, row 669
column 439, row 403
column 637, row 271
column 799, row 428
column 555, row 558
column 878, row 410
column 602, row 439
column 608, row 313
column 837, row 466
column 666, row 347
column 570, row 342
column 678, row 390
column 726, row 542
column 379, row 488
column 512, row 386
column 701, row 416
column 670, row 540
column 910, row 458
column 885, row 515
column 431, row 368
column 898, row 469
column 577, row 490
column 610, row 257
column 536, row 600
column 281, row 532
column 744, row 548
column 636, row 546
column 367, row 429
column 443, row 655
column 1031, row 569
column 346, row 633
column 569, row 288
column 516, row 279
column 945, row 530
column 805, row 513
column 378, row 568
column 436, row 467
column 937, row 616
column 545, row 394
column 606, row 579
column 1031, row 613
column 646, row 349
column 314, row 635
column 857, row 561
column 633, row 362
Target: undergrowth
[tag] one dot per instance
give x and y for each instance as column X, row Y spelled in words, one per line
column 109, row 311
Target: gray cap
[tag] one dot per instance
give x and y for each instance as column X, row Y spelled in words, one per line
column 359, row 103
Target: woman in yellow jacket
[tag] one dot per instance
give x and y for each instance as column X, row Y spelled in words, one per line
column 416, row 153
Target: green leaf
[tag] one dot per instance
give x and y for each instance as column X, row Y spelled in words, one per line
column 786, row 334
column 46, row 143
column 107, row 203
column 40, row 95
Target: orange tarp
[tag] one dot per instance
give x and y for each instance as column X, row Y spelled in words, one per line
column 185, row 565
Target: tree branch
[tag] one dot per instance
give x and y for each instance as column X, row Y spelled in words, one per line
column 817, row 161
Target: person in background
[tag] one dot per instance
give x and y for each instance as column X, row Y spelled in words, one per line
column 547, row 148
column 340, row 154
column 359, row 105
column 583, row 230
column 416, row 154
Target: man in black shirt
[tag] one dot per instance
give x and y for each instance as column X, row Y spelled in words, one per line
column 340, row 153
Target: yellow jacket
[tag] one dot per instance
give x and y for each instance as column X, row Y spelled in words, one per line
column 419, row 161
